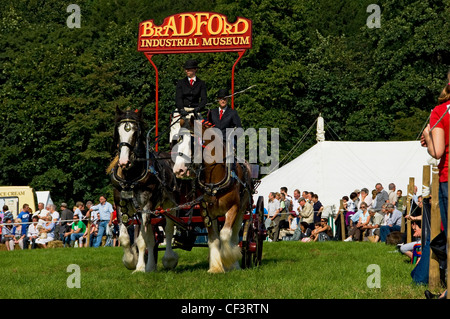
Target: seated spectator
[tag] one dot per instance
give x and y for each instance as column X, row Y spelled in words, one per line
column 315, row 232
column 357, row 228
column 302, row 231
column 18, row 234
column 7, row 234
column 47, row 233
column 32, row 234
column 92, row 234
column 351, row 207
column 372, row 230
column 77, row 231
column 393, row 222
column 323, row 232
column 407, row 249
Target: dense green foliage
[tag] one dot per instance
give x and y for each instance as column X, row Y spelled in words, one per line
column 289, row 270
column 59, row 86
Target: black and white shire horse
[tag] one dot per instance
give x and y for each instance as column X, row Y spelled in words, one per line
column 142, row 182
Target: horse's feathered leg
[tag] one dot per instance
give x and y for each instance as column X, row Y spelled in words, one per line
column 129, row 258
column 215, row 261
column 170, row 259
column 229, row 252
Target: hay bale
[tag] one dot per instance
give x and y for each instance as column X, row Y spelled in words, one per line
column 55, row 244
column 3, row 247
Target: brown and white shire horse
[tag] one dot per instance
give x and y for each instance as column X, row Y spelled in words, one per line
column 226, row 190
column 142, row 182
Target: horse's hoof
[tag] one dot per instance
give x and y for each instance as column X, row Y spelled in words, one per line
column 138, row 271
column 216, row 270
column 170, row 263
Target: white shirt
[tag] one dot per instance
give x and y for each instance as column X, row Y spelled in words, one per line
column 33, row 230
column 55, row 216
column 194, row 78
column 273, row 206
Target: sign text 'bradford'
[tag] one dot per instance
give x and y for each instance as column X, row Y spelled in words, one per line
column 195, row 32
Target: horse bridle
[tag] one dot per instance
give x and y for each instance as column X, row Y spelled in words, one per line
column 127, row 128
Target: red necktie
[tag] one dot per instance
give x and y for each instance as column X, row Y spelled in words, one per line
column 220, row 115
column 192, row 82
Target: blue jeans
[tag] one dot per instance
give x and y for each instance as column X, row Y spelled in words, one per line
column 75, row 236
column 101, row 231
column 443, row 204
column 386, row 230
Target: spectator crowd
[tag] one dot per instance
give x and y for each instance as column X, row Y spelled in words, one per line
column 368, row 216
column 71, row 227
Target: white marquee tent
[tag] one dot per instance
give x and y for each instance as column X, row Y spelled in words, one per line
column 334, row 169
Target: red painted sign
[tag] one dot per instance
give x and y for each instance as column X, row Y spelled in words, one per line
column 193, row 32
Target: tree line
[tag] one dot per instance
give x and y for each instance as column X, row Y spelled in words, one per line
column 59, row 86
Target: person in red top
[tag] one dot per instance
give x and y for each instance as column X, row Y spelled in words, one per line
column 435, row 138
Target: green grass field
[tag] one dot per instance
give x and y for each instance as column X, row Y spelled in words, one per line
column 290, row 270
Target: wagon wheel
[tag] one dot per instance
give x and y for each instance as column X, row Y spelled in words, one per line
column 254, row 234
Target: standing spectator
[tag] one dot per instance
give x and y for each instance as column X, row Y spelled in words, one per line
column 66, row 218
column 7, row 213
column 307, row 212
column 273, row 206
column 381, row 198
column 400, row 204
column 116, row 228
column 78, row 210
column 295, row 203
column 41, row 213
column 55, row 218
column 25, row 217
column 7, row 233
column 393, row 222
column 274, row 216
column 366, row 198
column 77, row 231
column 47, row 233
column 32, row 234
column 392, row 194
column 1, row 222
column 436, row 141
column 357, row 200
column 105, row 210
column 318, row 207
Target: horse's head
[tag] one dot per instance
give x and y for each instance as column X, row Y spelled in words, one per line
column 184, row 152
column 128, row 134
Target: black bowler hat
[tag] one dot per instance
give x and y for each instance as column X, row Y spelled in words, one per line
column 222, row 93
column 191, row 64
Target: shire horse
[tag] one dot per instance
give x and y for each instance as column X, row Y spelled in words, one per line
column 226, row 190
column 142, row 182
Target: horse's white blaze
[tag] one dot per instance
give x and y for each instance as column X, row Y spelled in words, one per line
column 124, row 137
column 184, row 147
